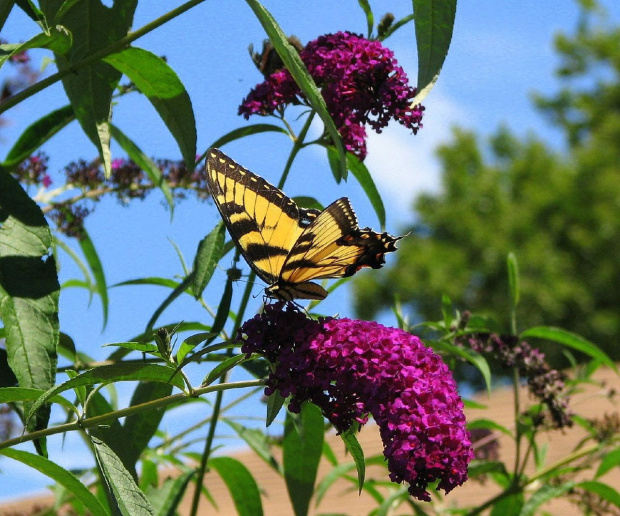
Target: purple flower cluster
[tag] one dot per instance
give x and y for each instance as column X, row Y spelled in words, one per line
column 353, row 368
column 127, row 182
column 361, row 83
column 33, row 171
column 544, row 383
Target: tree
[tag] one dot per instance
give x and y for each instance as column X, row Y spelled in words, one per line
column 558, row 211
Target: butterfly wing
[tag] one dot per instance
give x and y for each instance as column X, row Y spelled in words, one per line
column 264, row 223
column 332, row 246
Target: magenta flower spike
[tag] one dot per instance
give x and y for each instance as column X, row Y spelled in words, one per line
column 351, row 369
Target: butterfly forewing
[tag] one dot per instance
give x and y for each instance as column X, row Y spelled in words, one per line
column 261, row 219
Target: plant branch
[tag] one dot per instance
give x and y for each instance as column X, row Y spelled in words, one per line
column 129, row 411
column 96, row 56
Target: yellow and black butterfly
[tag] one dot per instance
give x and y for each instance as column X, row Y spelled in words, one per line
column 288, row 246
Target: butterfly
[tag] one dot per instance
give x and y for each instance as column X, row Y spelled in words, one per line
column 285, row 245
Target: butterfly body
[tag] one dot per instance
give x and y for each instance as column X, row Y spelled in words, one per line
column 288, row 246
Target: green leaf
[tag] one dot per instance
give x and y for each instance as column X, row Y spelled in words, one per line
column 207, row 257
column 121, row 372
column 434, row 23
column 257, row 441
column 182, row 287
column 361, row 173
column 241, row 485
column 302, row 449
column 29, row 292
column 474, row 358
column 90, row 88
column 610, row 460
column 221, row 368
column 37, row 134
column 60, row 476
column 17, row 394
column 161, row 85
column 56, row 39
column 274, row 405
column 160, row 282
column 223, row 309
column 544, row 495
column 139, row 428
column 571, row 340
column 242, row 132
column 96, row 268
column 300, row 73
column 484, row 467
column 330, row 478
column 165, row 499
column 489, row 424
column 513, row 279
column 144, row 162
column 508, row 506
column 143, row 347
column 370, row 20
column 5, row 10
column 120, row 485
column 357, row 453
column 605, row 491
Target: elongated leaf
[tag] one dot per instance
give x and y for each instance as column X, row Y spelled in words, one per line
column 165, row 499
column 474, row 358
column 161, row 282
column 484, row 467
column 166, row 303
column 37, row 134
column 59, row 475
column 301, row 455
column 121, row 372
column 605, row 491
column 207, row 257
column 434, row 23
column 139, row 429
column 571, row 340
column 354, row 448
column 241, row 485
column 513, row 279
column 370, row 20
column 610, row 460
column 144, row 347
column 96, row 268
column 5, row 10
column 57, row 39
column 395, row 26
column 242, row 132
column 223, row 310
column 29, row 292
column 90, row 88
column 274, row 405
column 543, row 495
column 17, row 394
column 300, row 73
column 489, row 424
column 332, row 476
column 144, row 162
column 510, row 505
column 221, row 368
column 257, row 441
column 161, row 85
column 121, row 486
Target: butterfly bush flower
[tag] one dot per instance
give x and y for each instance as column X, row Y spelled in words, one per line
column 361, row 83
column 352, row 369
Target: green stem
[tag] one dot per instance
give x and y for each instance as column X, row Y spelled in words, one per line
column 129, row 411
column 297, row 145
column 218, row 403
column 517, row 409
column 96, row 56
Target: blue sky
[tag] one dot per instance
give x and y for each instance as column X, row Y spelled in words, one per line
column 501, row 52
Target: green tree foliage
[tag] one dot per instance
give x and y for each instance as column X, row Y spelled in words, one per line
column 559, row 212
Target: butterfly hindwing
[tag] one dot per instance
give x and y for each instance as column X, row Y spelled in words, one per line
column 285, row 245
